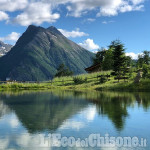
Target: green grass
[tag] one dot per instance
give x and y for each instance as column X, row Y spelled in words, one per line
column 91, row 83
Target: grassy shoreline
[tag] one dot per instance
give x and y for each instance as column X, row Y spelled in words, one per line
column 91, row 83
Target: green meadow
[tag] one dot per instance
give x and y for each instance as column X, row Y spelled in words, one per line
column 83, row 82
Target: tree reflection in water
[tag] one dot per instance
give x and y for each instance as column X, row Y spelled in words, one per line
column 39, row 111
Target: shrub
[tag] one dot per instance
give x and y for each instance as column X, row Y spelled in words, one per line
column 113, row 73
column 103, row 79
column 148, row 75
column 145, row 70
column 79, row 80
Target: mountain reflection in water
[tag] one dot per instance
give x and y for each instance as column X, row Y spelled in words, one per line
column 70, row 113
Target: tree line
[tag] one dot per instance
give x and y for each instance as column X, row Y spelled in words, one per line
column 114, row 58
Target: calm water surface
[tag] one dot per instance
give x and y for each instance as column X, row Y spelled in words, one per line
column 28, row 118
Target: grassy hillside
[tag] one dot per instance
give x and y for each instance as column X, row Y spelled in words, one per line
column 87, row 82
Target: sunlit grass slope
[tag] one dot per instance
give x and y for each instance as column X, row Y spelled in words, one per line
column 89, row 82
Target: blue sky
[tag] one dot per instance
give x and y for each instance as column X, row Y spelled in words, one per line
column 91, row 23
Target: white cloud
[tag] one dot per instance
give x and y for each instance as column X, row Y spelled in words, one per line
column 91, row 19
column 37, row 13
column 4, row 143
column 11, row 37
column 14, row 122
column 73, row 34
column 3, row 16
column 89, row 45
column 128, row 8
column 76, row 125
column 34, row 141
column 135, row 2
column 90, row 113
column 133, row 55
column 106, row 7
column 107, row 22
column 12, row 5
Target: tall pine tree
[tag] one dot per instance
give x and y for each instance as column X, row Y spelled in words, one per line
column 119, row 57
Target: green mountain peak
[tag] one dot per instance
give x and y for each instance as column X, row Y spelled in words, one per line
column 38, row 53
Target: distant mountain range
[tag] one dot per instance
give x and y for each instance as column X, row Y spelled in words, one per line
column 38, row 53
column 4, row 48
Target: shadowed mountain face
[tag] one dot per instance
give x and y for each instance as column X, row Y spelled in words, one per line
column 4, row 48
column 39, row 52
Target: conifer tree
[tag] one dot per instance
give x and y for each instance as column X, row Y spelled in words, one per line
column 119, row 57
column 63, row 71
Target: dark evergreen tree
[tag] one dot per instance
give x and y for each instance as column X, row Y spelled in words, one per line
column 99, row 57
column 143, row 59
column 63, row 71
column 145, row 70
column 108, row 60
column 140, row 61
column 146, row 57
column 119, row 57
column 129, row 61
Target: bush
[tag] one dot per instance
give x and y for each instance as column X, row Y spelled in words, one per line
column 148, row 76
column 79, row 80
column 103, row 79
column 145, row 71
column 113, row 73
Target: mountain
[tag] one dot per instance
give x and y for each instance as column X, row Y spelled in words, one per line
column 38, row 53
column 4, row 48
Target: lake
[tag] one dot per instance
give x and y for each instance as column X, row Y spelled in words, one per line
column 74, row 120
